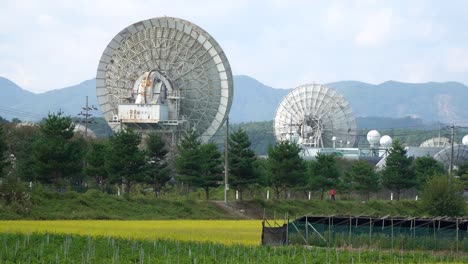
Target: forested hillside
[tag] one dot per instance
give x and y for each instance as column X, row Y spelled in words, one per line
column 409, row 131
column 254, row 101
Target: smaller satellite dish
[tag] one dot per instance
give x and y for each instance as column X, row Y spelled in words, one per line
column 317, row 113
column 386, row 141
column 440, row 142
column 465, row 140
column 460, row 155
column 115, row 118
column 373, row 137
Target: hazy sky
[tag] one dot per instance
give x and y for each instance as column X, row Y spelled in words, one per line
column 47, row 45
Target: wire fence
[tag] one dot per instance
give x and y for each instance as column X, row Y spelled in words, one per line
column 404, row 233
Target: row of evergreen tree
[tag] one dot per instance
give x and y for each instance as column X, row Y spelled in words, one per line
column 54, row 155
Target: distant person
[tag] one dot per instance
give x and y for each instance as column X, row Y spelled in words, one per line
column 332, row 194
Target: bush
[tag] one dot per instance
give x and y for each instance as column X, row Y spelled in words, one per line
column 93, row 193
column 14, row 194
column 442, row 198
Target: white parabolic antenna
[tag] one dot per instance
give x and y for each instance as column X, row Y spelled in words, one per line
column 165, row 74
column 460, row 155
column 436, row 142
column 317, row 114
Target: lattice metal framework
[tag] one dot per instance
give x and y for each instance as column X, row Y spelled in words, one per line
column 314, row 114
column 184, row 54
column 460, row 155
column 436, row 142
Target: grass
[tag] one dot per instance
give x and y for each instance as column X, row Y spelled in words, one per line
column 246, row 232
column 53, row 248
column 296, row 208
column 97, row 205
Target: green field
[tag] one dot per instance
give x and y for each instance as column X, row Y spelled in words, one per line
column 49, row 248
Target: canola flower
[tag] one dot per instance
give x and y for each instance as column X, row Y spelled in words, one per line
column 228, row 232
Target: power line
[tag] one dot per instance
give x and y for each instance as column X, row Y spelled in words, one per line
column 20, row 113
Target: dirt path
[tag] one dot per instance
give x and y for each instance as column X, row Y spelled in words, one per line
column 232, row 210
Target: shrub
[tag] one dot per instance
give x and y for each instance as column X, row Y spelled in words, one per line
column 14, row 194
column 442, row 198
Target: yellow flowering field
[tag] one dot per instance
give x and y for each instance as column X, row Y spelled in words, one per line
column 246, row 232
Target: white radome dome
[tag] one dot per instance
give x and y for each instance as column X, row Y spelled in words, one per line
column 373, row 137
column 386, row 141
column 465, row 140
column 80, row 129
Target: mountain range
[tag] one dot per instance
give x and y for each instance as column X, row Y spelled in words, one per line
column 255, row 101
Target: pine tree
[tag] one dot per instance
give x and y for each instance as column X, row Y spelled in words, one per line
column 241, row 159
column 425, row 168
column 157, row 170
column 286, row 167
column 324, row 173
column 199, row 164
column 211, row 168
column 55, row 153
column 21, row 140
column 188, row 162
column 364, row 179
column 124, row 160
column 95, row 163
column 3, row 149
column 398, row 174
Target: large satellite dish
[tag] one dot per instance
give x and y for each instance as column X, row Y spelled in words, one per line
column 317, row 116
column 165, row 74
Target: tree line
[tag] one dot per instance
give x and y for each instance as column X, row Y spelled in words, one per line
column 54, row 155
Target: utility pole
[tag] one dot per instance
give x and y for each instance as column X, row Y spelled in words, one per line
column 452, row 139
column 86, row 119
column 439, row 141
column 86, row 115
column 226, row 163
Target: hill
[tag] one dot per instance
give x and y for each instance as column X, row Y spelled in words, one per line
column 254, row 101
column 428, row 101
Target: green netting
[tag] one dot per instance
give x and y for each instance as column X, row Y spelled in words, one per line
column 398, row 237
